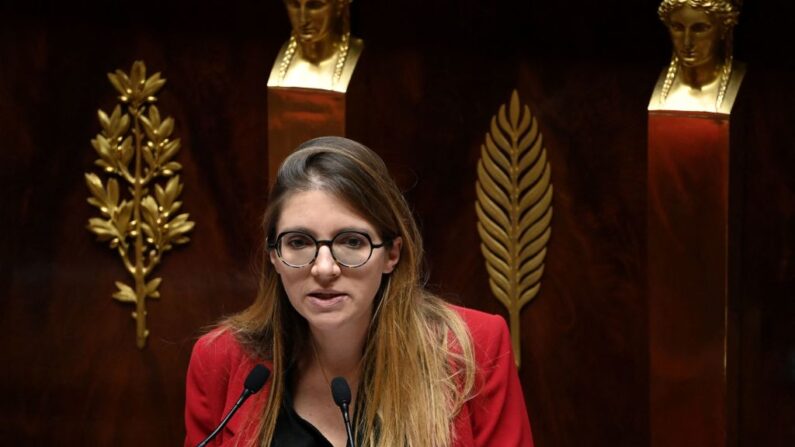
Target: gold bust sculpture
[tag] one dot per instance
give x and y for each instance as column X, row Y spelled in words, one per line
column 321, row 54
column 703, row 75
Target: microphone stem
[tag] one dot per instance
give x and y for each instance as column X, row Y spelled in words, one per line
column 346, row 417
column 243, row 397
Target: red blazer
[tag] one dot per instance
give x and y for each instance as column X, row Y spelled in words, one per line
column 495, row 417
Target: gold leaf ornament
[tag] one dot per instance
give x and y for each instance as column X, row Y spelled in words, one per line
column 135, row 148
column 514, row 209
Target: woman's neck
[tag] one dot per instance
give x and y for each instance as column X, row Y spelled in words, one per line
column 340, row 353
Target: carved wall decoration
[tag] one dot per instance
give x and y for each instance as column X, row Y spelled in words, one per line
column 136, row 155
column 514, row 209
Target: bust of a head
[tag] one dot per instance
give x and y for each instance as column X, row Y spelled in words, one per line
column 318, row 24
column 701, row 33
column 320, row 53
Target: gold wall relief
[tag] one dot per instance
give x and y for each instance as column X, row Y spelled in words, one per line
column 514, row 208
column 138, row 203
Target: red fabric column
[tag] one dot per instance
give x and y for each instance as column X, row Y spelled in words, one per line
column 692, row 348
column 299, row 114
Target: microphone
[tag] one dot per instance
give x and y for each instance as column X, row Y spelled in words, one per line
column 254, row 382
column 342, row 397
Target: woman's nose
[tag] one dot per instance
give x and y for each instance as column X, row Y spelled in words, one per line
column 325, row 265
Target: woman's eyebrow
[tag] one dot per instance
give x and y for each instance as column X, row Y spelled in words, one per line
column 354, row 229
column 298, row 229
column 307, row 230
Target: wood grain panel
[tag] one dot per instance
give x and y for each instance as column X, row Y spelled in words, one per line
column 430, row 78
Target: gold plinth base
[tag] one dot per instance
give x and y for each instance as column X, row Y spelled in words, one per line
column 692, row 348
column 296, row 115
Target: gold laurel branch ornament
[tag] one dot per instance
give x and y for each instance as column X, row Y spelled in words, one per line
column 136, row 150
column 514, row 208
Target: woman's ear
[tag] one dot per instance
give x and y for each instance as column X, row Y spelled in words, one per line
column 274, row 259
column 393, row 255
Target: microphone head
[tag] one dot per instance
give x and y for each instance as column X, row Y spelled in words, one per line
column 340, row 391
column 256, row 379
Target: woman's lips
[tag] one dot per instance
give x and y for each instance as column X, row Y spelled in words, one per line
column 326, row 300
column 326, row 295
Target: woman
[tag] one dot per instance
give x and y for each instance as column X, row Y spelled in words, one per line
column 342, row 296
column 702, row 75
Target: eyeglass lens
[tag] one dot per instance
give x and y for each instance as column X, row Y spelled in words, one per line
column 348, row 248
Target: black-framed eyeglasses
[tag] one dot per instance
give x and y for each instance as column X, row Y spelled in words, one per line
column 349, row 248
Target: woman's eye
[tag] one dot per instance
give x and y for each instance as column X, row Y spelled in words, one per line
column 297, row 243
column 352, row 241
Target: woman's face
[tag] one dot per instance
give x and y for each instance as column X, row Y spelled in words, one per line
column 695, row 36
column 311, row 19
column 329, row 296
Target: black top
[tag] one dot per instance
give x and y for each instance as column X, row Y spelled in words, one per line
column 294, row 431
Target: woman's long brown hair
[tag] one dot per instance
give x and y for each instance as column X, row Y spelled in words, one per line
column 418, row 365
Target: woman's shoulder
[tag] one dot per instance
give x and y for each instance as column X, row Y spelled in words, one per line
column 489, row 333
column 220, row 361
column 219, row 348
column 481, row 323
column 496, row 413
column 219, row 341
column 216, row 376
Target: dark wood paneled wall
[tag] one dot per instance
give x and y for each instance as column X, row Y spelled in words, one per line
column 431, row 77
